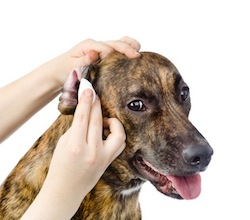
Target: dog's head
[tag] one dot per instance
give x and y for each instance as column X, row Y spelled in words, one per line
column 150, row 98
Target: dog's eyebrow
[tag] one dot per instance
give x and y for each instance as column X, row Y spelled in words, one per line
column 146, row 95
column 178, row 78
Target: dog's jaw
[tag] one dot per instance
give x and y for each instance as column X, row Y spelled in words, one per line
column 179, row 187
column 160, row 181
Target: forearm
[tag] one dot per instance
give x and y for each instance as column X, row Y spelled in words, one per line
column 21, row 99
column 24, row 97
column 54, row 203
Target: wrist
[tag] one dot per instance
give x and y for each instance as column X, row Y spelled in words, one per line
column 67, row 202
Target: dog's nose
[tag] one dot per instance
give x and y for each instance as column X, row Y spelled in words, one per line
column 198, row 156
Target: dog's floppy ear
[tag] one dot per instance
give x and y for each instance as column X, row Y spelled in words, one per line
column 69, row 97
column 92, row 72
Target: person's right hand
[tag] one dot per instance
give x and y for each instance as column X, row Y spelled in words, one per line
column 81, row 155
column 79, row 160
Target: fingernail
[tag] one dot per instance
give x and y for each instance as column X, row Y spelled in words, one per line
column 88, row 92
column 85, row 85
column 137, row 54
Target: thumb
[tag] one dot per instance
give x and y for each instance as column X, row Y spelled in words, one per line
column 85, row 60
column 115, row 142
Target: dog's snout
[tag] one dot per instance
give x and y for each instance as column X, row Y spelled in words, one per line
column 198, row 156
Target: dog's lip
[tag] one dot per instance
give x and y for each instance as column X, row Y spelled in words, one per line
column 180, row 187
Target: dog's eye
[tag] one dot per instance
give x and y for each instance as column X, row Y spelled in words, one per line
column 184, row 93
column 136, row 105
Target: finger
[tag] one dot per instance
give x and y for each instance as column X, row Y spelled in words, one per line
column 93, row 55
column 106, row 130
column 94, row 135
column 89, row 45
column 132, row 42
column 81, row 118
column 90, row 57
column 124, row 48
column 125, row 45
column 86, row 59
column 115, row 142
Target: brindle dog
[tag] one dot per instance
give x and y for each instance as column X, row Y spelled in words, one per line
column 148, row 95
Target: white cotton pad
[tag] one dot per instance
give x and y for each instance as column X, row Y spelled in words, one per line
column 85, row 84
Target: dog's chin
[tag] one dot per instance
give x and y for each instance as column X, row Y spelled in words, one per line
column 179, row 187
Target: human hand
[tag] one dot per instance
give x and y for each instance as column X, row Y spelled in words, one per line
column 81, row 156
column 89, row 51
column 82, row 145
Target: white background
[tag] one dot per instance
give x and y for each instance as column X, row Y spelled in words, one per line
column 208, row 41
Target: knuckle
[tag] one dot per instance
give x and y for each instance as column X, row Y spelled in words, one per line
column 121, row 136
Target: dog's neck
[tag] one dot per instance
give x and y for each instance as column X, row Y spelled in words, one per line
column 116, row 195
column 104, row 203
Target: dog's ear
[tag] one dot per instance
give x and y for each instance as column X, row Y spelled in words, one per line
column 92, row 72
column 69, row 97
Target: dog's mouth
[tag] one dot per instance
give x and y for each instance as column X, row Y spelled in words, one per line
column 179, row 187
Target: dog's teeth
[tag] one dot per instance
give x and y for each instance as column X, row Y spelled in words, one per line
column 175, row 192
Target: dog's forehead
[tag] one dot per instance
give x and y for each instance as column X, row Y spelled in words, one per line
column 149, row 66
column 149, row 74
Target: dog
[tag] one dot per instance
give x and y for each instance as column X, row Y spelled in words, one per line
column 152, row 101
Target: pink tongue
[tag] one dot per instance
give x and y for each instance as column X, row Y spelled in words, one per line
column 189, row 187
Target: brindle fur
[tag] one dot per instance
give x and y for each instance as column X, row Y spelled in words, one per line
column 159, row 132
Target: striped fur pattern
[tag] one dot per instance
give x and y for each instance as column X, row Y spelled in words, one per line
column 143, row 93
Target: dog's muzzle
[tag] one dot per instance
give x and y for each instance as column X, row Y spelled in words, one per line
column 197, row 157
column 186, row 185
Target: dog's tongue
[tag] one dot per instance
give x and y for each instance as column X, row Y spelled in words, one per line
column 189, row 187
